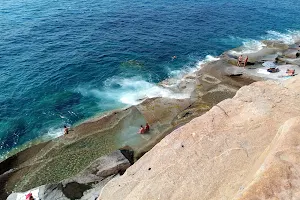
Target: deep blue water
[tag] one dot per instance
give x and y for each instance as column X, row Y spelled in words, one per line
column 63, row 61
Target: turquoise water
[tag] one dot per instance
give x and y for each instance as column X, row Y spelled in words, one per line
column 64, row 61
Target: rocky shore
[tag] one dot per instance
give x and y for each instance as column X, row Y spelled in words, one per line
column 200, row 158
column 246, row 147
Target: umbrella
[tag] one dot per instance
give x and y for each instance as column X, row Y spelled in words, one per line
column 269, row 64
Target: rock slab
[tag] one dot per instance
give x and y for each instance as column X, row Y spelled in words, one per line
column 247, row 147
column 84, row 185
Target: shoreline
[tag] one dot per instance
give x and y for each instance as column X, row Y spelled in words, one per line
column 164, row 84
column 171, row 87
column 213, row 82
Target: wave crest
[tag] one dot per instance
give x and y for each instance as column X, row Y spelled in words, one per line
column 249, row 46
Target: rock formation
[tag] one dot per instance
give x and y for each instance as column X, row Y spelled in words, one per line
column 59, row 159
column 221, row 135
column 246, row 147
column 85, row 185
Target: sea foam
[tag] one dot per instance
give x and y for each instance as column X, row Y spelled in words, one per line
column 249, row 46
column 54, row 133
column 133, row 90
column 289, row 37
column 179, row 74
column 253, row 46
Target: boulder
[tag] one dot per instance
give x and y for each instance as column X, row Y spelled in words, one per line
column 275, row 44
column 291, row 53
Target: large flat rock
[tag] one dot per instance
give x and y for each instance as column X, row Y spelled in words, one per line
column 246, row 147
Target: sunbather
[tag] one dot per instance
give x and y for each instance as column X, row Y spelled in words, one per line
column 290, row 72
column 273, row 70
column 29, row 196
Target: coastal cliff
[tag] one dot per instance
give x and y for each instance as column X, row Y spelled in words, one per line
column 246, row 147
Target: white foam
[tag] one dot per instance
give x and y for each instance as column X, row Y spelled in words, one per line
column 249, row 46
column 252, row 46
column 54, row 133
column 130, row 91
column 210, row 58
column 179, row 74
column 290, row 37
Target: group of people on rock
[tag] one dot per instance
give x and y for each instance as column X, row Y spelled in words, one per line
column 141, row 131
column 144, row 129
column 241, row 61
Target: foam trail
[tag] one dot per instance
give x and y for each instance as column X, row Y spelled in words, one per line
column 130, row 91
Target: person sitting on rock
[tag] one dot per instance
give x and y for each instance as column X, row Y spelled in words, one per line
column 29, row 196
column 147, row 127
column 142, row 130
column 290, row 72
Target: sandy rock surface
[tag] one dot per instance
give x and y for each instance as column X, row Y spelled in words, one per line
column 246, row 147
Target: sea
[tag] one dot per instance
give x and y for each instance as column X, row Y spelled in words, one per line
column 64, row 61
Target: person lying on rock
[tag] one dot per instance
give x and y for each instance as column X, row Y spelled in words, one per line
column 240, row 60
column 290, row 72
column 29, row 196
column 273, row 70
column 142, row 130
